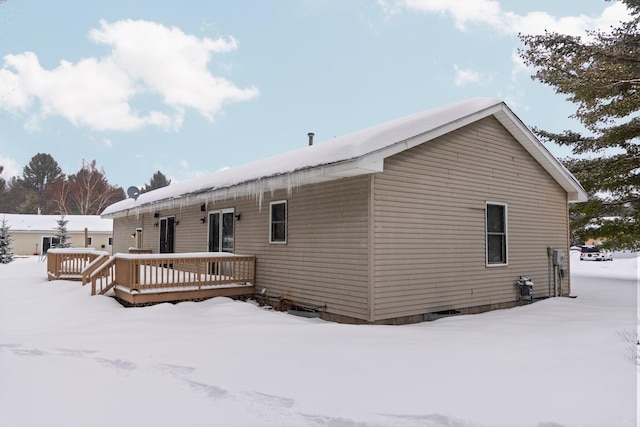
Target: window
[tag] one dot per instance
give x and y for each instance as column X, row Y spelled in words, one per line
column 110, row 242
column 138, row 237
column 496, row 226
column 89, row 241
column 221, row 234
column 278, row 222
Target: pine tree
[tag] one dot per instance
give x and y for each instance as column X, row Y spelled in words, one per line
column 158, row 180
column 41, row 171
column 6, row 255
column 601, row 75
column 61, row 233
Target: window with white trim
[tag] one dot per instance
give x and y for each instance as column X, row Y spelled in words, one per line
column 496, row 226
column 278, row 222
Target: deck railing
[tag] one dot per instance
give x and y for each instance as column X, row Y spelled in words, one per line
column 69, row 263
column 141, row 273
column 101, row 274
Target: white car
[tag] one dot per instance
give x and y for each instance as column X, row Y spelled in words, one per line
column 605, row 255
column 593, row 253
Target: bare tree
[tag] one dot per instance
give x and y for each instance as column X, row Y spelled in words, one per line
column 90, row 192
column 56, row 196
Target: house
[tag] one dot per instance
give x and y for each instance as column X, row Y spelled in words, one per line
column 35, row 234
column 437, row 212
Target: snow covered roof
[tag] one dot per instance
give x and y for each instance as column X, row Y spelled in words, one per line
column 357, row 153
column 48, row 223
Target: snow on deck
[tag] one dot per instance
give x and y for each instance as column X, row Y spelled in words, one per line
column 170, row 289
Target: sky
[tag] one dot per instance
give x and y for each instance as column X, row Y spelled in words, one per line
column 560, row 362
column 189, row 88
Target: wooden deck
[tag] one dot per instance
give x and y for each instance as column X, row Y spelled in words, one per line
column 71, row 263
column 141, row 279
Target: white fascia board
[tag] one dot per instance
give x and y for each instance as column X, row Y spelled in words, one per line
column 363, row 166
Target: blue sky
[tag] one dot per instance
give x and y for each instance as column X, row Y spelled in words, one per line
column 191, row 87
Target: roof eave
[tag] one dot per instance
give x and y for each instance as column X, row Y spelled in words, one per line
column 257, row 188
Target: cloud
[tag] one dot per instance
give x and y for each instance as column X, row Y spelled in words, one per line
column 490, row 12
column 145, row 58
column 462, row 11
column 519, row 67
column 10, row 167
column 389, row 8
column 465, row 76
column 471, row 14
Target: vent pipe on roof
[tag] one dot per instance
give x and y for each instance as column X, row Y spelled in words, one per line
column 310, row 135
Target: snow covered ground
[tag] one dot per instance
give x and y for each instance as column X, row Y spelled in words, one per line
column 69, row 359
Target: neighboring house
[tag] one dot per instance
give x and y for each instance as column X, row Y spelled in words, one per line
column 35, row 234
column 442, row 210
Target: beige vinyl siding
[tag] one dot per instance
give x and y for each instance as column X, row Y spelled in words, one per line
column 122, row 229
column 429, row 222
column 325, row 258
column 190, row 234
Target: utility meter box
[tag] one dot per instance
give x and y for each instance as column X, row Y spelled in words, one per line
column 557, row 256
column 526, row 287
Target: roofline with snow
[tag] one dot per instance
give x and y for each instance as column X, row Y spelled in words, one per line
column 257, row 187
column 367, row 163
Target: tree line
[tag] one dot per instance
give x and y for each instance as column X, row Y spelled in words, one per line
column 44, row 189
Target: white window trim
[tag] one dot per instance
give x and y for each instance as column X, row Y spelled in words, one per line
column 506, row 234
column 286, row 222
